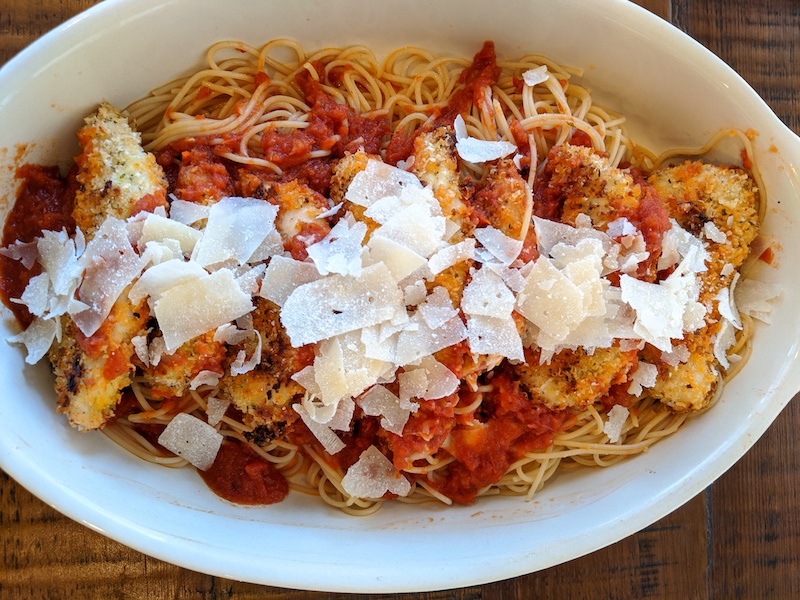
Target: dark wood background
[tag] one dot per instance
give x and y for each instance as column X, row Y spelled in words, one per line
column 740, row 538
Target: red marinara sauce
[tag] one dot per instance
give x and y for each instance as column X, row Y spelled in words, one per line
column 511, row 426
column 44, row 202
column 240, row 475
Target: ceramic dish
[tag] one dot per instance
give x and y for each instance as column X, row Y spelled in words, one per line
column 673, row 91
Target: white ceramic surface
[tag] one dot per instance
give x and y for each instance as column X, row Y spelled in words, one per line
column 673, row 91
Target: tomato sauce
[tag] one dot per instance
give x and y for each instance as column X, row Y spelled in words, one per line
column 240, row 475
column 511, row 425
column 331, row 127
column 44, row 202
column 482, row 73
column 424, row 432
column 651, row 218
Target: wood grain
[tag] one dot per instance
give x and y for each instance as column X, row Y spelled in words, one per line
column 738, row 539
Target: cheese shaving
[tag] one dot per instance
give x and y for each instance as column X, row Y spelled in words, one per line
column 109, row 265
column 341, row 304
column 373, row 475
column 190, row 309
column 37, row 338
column 380, row 402
column 477, row 151
column 236, row 227
column 329, row 440
column 754, row 298
column 192, row 439
column 533, row 77
column 613, row 427
column 340, row 250
column 216, row 409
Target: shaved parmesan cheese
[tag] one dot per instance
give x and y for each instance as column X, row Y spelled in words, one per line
column 204, row 377
column 659, row 312
column 451, row 255
column 726, row 303
column 342, row 368
column 331, row 211
column 399, row 259
column 442, row 381
column 418, row 340
column 157, row 252
column 373, row 475
column 249, row 278
column 236, row 227
column 533, row 77
column 190, row 309
column 380, row 402
column 379, row 180
column 25, row 252
column 413, row 384
column 140, row 348
column 503, row 248
column 343, row 416
column 283, row 276
column 613, row 427
column 192, row 439
column 725, row 338
column 157, row 228
column 550, row 233
column 415, row 228
column 678, row 244
column 307, row 379
column 495, row 336
column 216, row 409
column 110, row 264
column 754, row 298
column 680, row 354
column 383, row 209
column 415, row 293
column 59, row 256
column 156, row 350
column 228, row 333
column 241, row 363
column 644, row 376
column 329, row 373
column 340, row 250
column 329, row 440
column 187, row 212
column 37, row 338
column 159, row 278
column 621, row 227
column 550, row 300
column 487, row 295
column 36, row 295
column 271, row 246
column 437, row 309
column 338, row 304
column 713, row 233
column 479, row 151
column 667, row 309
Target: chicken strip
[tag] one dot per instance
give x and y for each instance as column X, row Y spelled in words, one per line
column 116, row 178
column 718, row 204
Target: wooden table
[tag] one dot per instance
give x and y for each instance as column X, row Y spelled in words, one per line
column 740, row 538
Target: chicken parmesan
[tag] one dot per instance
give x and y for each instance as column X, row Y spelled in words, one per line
column 402, row 280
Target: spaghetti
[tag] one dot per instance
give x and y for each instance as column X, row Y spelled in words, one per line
column 279, row 114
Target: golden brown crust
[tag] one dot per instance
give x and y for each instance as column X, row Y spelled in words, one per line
column 115, row 176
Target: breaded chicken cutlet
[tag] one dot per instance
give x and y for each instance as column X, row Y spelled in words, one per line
column 727, row 198
column 582, row 182
column 116, row 179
